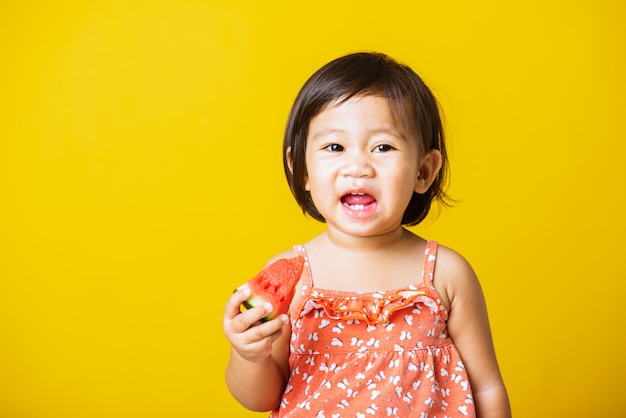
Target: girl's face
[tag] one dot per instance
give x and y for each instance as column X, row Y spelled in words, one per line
column 362, row 168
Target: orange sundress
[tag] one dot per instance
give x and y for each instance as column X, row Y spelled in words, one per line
column 383, row 354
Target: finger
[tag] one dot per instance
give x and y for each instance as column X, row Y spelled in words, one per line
column 268, row 330
column 257, row 342
column 232, row 308
column 250, row 317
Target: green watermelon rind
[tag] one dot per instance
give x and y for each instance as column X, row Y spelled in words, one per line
column 253, row 301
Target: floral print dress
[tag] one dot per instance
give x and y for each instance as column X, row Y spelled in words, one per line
column 382, row 354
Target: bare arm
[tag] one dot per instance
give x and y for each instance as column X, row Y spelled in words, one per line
column 257, row 371
column 468, row 326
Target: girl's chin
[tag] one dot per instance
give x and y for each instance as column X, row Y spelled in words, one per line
column 362, row 229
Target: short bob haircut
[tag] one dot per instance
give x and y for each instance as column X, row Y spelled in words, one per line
column 359, row 74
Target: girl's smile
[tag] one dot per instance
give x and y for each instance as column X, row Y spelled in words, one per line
column 359, row 204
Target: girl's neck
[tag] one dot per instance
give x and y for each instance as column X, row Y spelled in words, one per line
column 364, row 264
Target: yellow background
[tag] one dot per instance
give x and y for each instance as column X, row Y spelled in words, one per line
column 141, row 181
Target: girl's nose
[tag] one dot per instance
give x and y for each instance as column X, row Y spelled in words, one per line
column 357, row 164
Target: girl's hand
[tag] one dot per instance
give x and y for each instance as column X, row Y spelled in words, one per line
column 251, row 339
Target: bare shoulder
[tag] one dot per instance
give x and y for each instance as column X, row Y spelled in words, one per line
column 453, row 275
column 451, row 263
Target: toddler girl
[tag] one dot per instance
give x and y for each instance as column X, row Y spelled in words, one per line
column 384, row 322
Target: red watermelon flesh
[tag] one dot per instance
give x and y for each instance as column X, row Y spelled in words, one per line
column 276, row 284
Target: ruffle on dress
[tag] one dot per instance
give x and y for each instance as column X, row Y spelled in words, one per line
column 376, row 308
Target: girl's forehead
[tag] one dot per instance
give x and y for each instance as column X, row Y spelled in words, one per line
column 373, row 110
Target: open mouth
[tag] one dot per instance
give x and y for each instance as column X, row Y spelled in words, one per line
column 359, row 205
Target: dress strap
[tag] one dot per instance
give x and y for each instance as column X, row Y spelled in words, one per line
column 306, row 282
column 430, row 257
column 305, row 279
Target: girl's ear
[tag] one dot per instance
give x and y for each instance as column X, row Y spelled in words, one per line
column 290, row 165
column 431, row 164
column 288, row 157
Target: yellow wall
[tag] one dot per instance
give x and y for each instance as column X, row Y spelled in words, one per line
column 141, row 181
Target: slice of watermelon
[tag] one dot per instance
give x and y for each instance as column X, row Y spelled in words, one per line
column 276, row 284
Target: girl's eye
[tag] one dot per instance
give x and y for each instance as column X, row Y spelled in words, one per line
column 383, row 148
column 334, row 148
